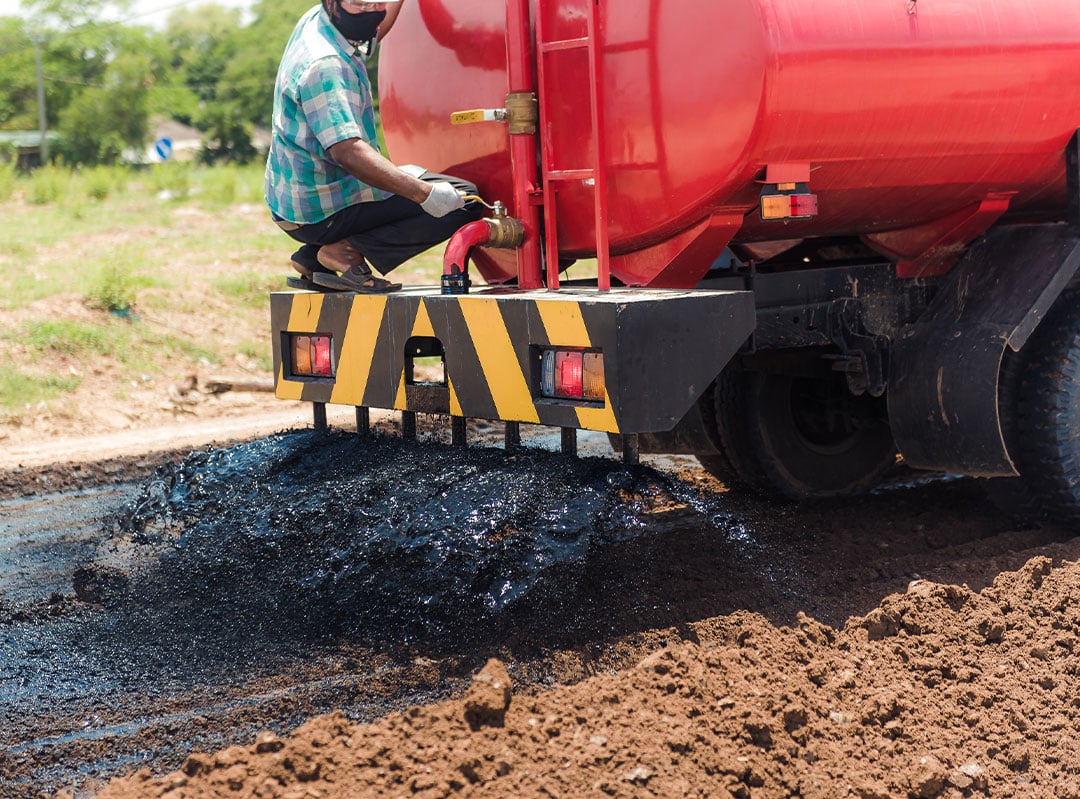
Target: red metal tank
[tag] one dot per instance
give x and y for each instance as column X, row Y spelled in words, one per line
column 921, row 122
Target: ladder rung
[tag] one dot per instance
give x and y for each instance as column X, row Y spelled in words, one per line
column 625, row 47
column 564, row 44
column 570, row 174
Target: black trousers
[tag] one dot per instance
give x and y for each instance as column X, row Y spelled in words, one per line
column 388, row 232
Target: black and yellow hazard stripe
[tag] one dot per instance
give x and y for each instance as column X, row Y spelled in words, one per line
column 661, row 350
column 490, row 344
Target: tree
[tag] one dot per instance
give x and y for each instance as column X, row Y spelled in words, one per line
column 228, row 135
column 104, row 121
column 18, row 77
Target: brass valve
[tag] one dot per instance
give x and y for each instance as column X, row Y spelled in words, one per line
column 506, row 232
column 521, row 112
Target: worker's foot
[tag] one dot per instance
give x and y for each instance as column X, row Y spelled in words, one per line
column 305, row 261
column 340, row 256
column 358, row 279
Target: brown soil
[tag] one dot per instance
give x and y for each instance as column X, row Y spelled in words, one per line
column 703, row 675
column 938, row 692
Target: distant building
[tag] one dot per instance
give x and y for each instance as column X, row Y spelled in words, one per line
column 26, row 145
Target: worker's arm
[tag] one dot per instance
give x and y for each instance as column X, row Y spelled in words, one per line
column 388, row 21
column 366, row 163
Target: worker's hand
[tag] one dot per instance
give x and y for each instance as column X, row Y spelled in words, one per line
column 443, row 199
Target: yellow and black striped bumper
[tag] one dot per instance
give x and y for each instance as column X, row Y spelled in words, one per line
column 661, row 349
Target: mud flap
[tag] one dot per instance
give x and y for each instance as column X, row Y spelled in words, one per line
column 943, row 392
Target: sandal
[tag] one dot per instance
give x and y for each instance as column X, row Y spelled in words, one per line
column 356, row 279
column 306, row 263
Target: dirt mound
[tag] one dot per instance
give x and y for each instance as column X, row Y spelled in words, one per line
column 938, row 692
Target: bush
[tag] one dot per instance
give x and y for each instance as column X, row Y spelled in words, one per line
column 101, row 181
column 112, row 289
column 171, row 180
column 9, row 173
column 47, row 185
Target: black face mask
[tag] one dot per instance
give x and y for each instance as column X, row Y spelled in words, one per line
column 360, row 27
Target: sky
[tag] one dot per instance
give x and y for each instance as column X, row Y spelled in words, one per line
column 143, row 12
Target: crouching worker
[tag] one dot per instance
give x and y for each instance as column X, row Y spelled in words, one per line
column 327, row 184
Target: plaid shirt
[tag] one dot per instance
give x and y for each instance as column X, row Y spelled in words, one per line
column 322, row 97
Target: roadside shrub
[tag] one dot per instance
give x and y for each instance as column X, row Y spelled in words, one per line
column 230, row 184
column 9, row 173
column 112, row 288
column 101, row 181
column 170, row 180
column 47, row 185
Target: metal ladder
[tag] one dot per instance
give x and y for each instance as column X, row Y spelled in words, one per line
column 554, row 173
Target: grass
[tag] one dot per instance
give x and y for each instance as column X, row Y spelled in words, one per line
column 114, row 287
column 127, row 342
column 9, row 173
column 258, row 352
column 128, row 280
column 19, row 390
column 247, row 288
column 69, row 337
column 228, row 185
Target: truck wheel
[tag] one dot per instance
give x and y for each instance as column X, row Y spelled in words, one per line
column 799, row 438
column 1047, row 447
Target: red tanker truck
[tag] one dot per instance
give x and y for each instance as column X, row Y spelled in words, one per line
column 809, row 236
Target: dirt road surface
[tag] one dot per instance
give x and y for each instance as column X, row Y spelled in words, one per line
column 652, row 633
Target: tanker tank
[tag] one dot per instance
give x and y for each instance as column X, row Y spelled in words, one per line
column 908, row 119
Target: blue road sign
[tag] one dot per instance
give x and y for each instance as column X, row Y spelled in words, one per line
column 163, row 148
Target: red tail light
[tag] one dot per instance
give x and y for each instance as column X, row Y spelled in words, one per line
column 568, row 374
column 572, row 375
column 312, row 356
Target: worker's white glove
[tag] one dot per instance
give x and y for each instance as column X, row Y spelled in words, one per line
column 443, row 199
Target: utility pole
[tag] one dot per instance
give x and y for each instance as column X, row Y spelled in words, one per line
column 44, row 147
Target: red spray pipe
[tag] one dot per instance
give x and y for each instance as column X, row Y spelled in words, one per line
column 456, row 257
column 505, row 232
column 523, row 161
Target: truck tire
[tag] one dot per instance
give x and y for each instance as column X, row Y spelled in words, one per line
column 1047, row 447
column 798, row 438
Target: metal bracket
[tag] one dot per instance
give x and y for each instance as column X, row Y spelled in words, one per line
column 865, row 356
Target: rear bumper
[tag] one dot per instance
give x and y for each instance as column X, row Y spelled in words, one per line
column 661, row 349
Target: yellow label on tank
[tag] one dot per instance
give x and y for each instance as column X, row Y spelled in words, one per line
column 467, row 117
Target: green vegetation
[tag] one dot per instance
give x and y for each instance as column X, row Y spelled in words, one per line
column 248, row 288
column 121, row 283
column 113, row 287
column 209, row 67
column 8, row 175
column 19, row 390
column 130, row 343
column 47, row 185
